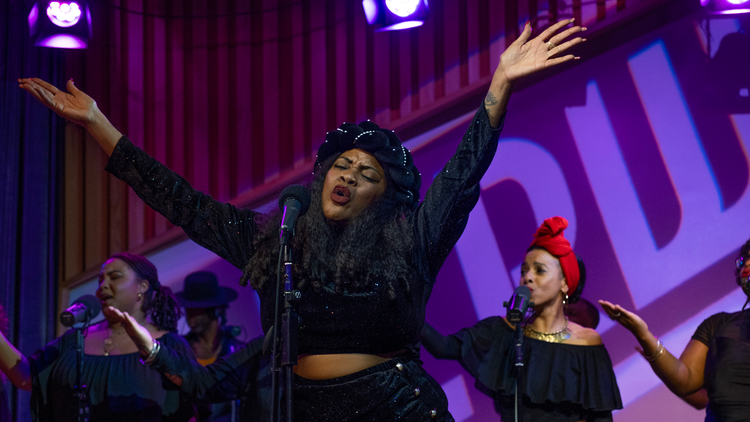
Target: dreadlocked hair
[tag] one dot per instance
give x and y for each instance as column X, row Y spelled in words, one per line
column 375, row 246
column 159, row 303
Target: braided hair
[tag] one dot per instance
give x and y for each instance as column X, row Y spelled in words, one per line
column 159, row 302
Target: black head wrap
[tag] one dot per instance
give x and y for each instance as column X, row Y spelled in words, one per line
column 387, row 149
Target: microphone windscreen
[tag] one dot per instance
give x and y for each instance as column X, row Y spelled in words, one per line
column 523, row 291
column 298, row 192
column 92, row 304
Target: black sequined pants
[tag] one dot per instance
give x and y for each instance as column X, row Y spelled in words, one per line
column 397, row 390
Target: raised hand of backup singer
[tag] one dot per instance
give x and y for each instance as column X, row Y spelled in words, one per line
column 682, row 376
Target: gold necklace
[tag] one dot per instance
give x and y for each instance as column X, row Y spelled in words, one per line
column 109, row 343
column 556, row 337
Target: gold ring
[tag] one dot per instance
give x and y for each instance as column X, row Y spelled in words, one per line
column 550, row 45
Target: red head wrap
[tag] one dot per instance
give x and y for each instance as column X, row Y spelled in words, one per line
column 550, row 238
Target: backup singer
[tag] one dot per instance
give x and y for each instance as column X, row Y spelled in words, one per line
column 568, row 373
column 367, row 251
column 119, row 387
column 716, row 359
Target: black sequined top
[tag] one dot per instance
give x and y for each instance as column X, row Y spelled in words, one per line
column 367, row 322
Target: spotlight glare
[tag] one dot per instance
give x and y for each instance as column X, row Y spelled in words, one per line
column 402, row 8
column 726, row 7
column 63, row 15
column 371, row 11
column 403, row 25
column 62, row 41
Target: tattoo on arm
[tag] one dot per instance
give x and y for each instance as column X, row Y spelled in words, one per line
column 490, row 100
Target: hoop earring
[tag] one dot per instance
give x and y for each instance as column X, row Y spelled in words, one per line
column 565, row 299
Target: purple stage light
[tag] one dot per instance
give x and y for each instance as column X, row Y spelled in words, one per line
column 63, row 14
column 402, row 8
column 63, row 26
column 726, row 7
column 390, row 15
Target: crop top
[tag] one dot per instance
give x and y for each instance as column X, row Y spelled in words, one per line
column 367, row 322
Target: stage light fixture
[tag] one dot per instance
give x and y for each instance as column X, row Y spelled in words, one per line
column 390, row 15
column 726, row 7
column 60, row 24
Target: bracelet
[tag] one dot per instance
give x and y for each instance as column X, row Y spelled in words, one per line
column 151, row 356
column 659, row 351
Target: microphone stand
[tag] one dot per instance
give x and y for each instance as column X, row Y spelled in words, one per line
column 283, row 360
column 519, row 373
column 84, row 412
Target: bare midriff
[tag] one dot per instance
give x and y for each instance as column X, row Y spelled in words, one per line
column 323, row 367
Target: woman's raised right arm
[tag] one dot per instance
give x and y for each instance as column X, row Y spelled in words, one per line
column 14, row 365
column 683, row 375
column 77, row 107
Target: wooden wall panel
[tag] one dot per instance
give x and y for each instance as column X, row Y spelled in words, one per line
column 236, row 95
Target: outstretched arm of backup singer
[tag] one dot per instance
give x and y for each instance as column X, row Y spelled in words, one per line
column 14, row 364
column 682, row 376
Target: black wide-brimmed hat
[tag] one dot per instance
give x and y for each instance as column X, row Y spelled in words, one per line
column 202, row 291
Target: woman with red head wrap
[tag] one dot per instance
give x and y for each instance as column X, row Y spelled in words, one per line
column 568, row 372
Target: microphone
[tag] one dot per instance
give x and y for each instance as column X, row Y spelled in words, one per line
column 518, row 305
column 85, row 307
column 294, row 202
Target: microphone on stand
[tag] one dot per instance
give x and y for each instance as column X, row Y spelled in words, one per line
column 294, row 202
column 84, row 308
column 518, row 305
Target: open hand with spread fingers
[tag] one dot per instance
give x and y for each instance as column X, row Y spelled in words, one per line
column 528, row 55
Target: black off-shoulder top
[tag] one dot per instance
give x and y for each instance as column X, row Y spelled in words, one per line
column 368, row 322
column 563, row 382
column 120, row 388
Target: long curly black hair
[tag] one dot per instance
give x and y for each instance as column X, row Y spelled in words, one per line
column 377, row 245
column 159, row 303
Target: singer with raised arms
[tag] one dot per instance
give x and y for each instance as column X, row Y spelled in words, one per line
column 366, row 254
column 568, row 372
column 717, row 357
column 118, row 386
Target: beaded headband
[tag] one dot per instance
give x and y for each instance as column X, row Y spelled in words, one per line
column 387, row 149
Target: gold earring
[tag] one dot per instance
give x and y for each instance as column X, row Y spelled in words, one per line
column 140, row 295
